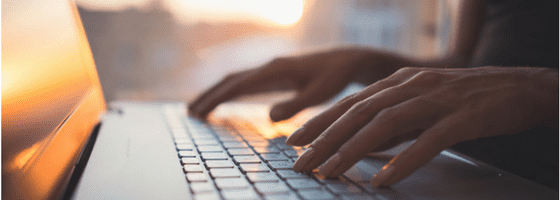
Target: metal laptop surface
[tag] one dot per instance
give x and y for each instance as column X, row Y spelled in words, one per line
column 52, row 101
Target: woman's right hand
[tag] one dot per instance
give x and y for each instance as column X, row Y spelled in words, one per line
column 317, row 77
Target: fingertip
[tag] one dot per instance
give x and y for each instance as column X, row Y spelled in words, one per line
column 276, row 114
column 383, row 177
column 295, row 137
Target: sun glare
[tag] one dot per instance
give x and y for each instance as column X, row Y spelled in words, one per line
column 275, row 12
column 286, row 12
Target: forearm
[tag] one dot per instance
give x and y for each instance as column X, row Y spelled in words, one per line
column 546, row 93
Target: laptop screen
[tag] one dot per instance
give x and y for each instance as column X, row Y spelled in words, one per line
column 47, row 71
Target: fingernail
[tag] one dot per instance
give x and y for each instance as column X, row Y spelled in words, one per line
column 303, row 159
column 294, row 138
column 382, row 176
column 329, row 166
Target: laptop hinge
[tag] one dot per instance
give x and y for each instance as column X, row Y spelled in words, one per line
column 80, row 164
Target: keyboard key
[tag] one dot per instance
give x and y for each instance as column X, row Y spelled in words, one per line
column 229, row 145
column 207, row 196
column 240, row 194
column 214, row 156
column 279, row 140
column 225, row 173
column 199, row 187
column 272, row 188
column 289, row 174
column 210, row 149
column 240, row 151
column 262, row 177
column 266, row 150
column 246, row 159
column 293, row 153
column 254, row 168
column 298, row 184
column 276, row 165
column 315, row 194
column 261, row 143
column 285, row 196
column 219, row 164
column 190, row 161
column 189, row 154
column 283, row 146
column 368, row 187
column 205, row 141
column 274, row 157
column 230, row 139
column 197, row 177
column 192, row 168
column 323, row 180
column 185, row 147
column 343, row 188
column 231, row 183
column 356, row 175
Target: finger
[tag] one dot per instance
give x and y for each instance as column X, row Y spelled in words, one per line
column 347, row 125
column 315, row 126
column 267, row 77
column 394, row 141
column 315, row 92
column 426, row 147
column 218, row 93
column 415, row 114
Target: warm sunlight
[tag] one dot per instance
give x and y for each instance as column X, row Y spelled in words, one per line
column 273, row 12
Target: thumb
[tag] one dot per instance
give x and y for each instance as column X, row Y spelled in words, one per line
column 427, row 146
column 316, row 92
column 287, row 109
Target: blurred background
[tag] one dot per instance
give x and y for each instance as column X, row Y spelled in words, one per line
column 171, row 50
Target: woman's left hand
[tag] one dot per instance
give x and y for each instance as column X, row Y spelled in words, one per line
column 437, row 107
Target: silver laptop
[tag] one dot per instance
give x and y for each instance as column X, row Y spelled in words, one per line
column 59, row 139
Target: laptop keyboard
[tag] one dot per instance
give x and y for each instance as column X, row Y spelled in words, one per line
column 229, row 163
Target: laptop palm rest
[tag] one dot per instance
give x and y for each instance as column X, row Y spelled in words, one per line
column 133, row 158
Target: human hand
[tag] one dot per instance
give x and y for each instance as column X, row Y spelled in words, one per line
column 317, row 77
column 437, row 107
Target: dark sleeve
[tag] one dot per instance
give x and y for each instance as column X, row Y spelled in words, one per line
column 519, row 33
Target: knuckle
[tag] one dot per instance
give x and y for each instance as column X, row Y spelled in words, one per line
column 346, row 102
column 429, row 76
column 388, row 116
column 408, row 70
column 279, row 61
column 360, row 110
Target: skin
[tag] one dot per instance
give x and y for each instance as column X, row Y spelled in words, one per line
column 437, row 103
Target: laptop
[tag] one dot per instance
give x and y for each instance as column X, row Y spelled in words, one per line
column 60, row 140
